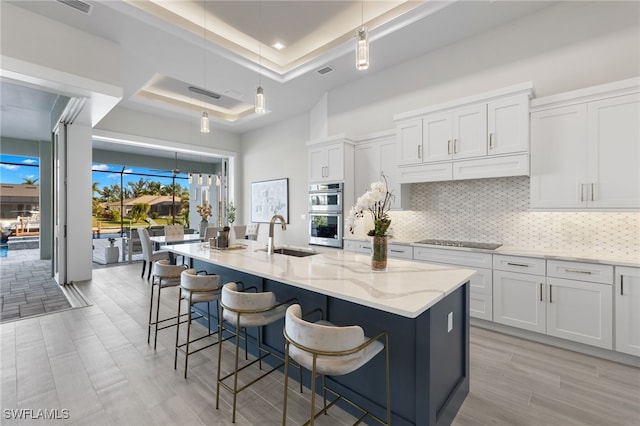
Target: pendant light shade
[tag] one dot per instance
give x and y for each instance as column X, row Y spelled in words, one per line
column 190, row 178
column 260, row 103
column 362, row 50
column 209, row 180
column 204, row 123
column 200, row 179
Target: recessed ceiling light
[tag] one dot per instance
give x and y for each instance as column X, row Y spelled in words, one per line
column 278, row 45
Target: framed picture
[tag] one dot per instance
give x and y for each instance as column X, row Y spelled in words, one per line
column 268, row 198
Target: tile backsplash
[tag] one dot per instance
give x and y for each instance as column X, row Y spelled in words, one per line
column 496, row 210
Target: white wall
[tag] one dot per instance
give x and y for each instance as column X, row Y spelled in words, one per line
column 276, row 152
column 564, row 47
column 130, row 122
column 39, row 40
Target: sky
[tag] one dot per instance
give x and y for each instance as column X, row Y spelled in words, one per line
column 14, row 169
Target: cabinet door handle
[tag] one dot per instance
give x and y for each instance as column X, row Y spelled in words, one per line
column 577, row 271
column 395, row 251
column 582, row 192
column 449, row 147
column 517, row 264
column 592, row 194
column 455, row 146
column 621, row 285
column 490, row 140
column 419, row 151
column 541, row 292
column 550, row 293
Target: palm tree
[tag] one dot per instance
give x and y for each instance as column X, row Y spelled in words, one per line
column 154, row 188
column 138, row 188
column 28, row 181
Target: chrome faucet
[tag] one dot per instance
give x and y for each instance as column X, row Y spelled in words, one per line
column 272, row 222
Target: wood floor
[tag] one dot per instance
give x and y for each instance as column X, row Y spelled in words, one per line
column 95, row 363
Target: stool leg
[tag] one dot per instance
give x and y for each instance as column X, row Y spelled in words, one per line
column 219, row 358
column 286, row 382
column 155, row 338
column 208, row 318
column 186, row 351
column 235, row 374
column 144, row 266
column 313, row 391
column 150, row 312
column 175, row 355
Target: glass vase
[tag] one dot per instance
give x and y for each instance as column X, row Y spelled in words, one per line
column 379, row 253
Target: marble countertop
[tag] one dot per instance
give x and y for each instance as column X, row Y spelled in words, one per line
column 407, row 288
column 549, row 253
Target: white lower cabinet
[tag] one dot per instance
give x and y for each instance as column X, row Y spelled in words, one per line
column 627, row 302
column 573, row 301
column 581, row 311
column 480, row 283
column 519, row 300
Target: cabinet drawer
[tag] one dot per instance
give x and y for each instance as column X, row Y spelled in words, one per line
column 463, row 258
column 481, row 306
column 591, row 272
column 350, row 245
column 400, row 251
column 524, row 265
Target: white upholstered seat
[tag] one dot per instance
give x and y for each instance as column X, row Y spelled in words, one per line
column 242, row 309
column 196, row 288
column 330, row 350
column 164, row 275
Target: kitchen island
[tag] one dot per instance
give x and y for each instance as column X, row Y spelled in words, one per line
column 424, row 307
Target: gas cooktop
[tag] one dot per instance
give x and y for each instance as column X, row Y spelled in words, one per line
column 467, row 244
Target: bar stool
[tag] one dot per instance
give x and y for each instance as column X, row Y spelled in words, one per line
column 242, row 309
column 196, row 288
column 164, row 275
column 329, row 350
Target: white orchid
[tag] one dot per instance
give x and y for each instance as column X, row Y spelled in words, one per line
column 377, row 200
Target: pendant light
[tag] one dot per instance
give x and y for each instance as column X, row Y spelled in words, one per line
column 362, row 46
column 260, row 105
column 260, row 101
column 209, row 180
column 200, row 179
column 204, row 122
column 190, row 178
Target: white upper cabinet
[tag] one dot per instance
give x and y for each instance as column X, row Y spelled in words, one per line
column 508, row 125
column 410, row 142
column 477, row 129
column 585, row 147
column 469, row 132
column 330, row 160
column 376, row 155
column 613, row 152
column 558, row 157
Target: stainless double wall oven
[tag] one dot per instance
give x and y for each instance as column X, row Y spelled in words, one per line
column 325, row 214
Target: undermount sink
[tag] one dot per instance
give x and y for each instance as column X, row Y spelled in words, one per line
column 291, row 251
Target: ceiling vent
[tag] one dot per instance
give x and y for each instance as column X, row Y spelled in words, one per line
column 78, row 5
column 325, row 70
column 204, row 92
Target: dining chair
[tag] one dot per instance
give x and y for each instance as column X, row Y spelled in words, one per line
column 329, row 350
column 252, row 231
column 148, row 254
column 210, row 232
column 173, row 232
